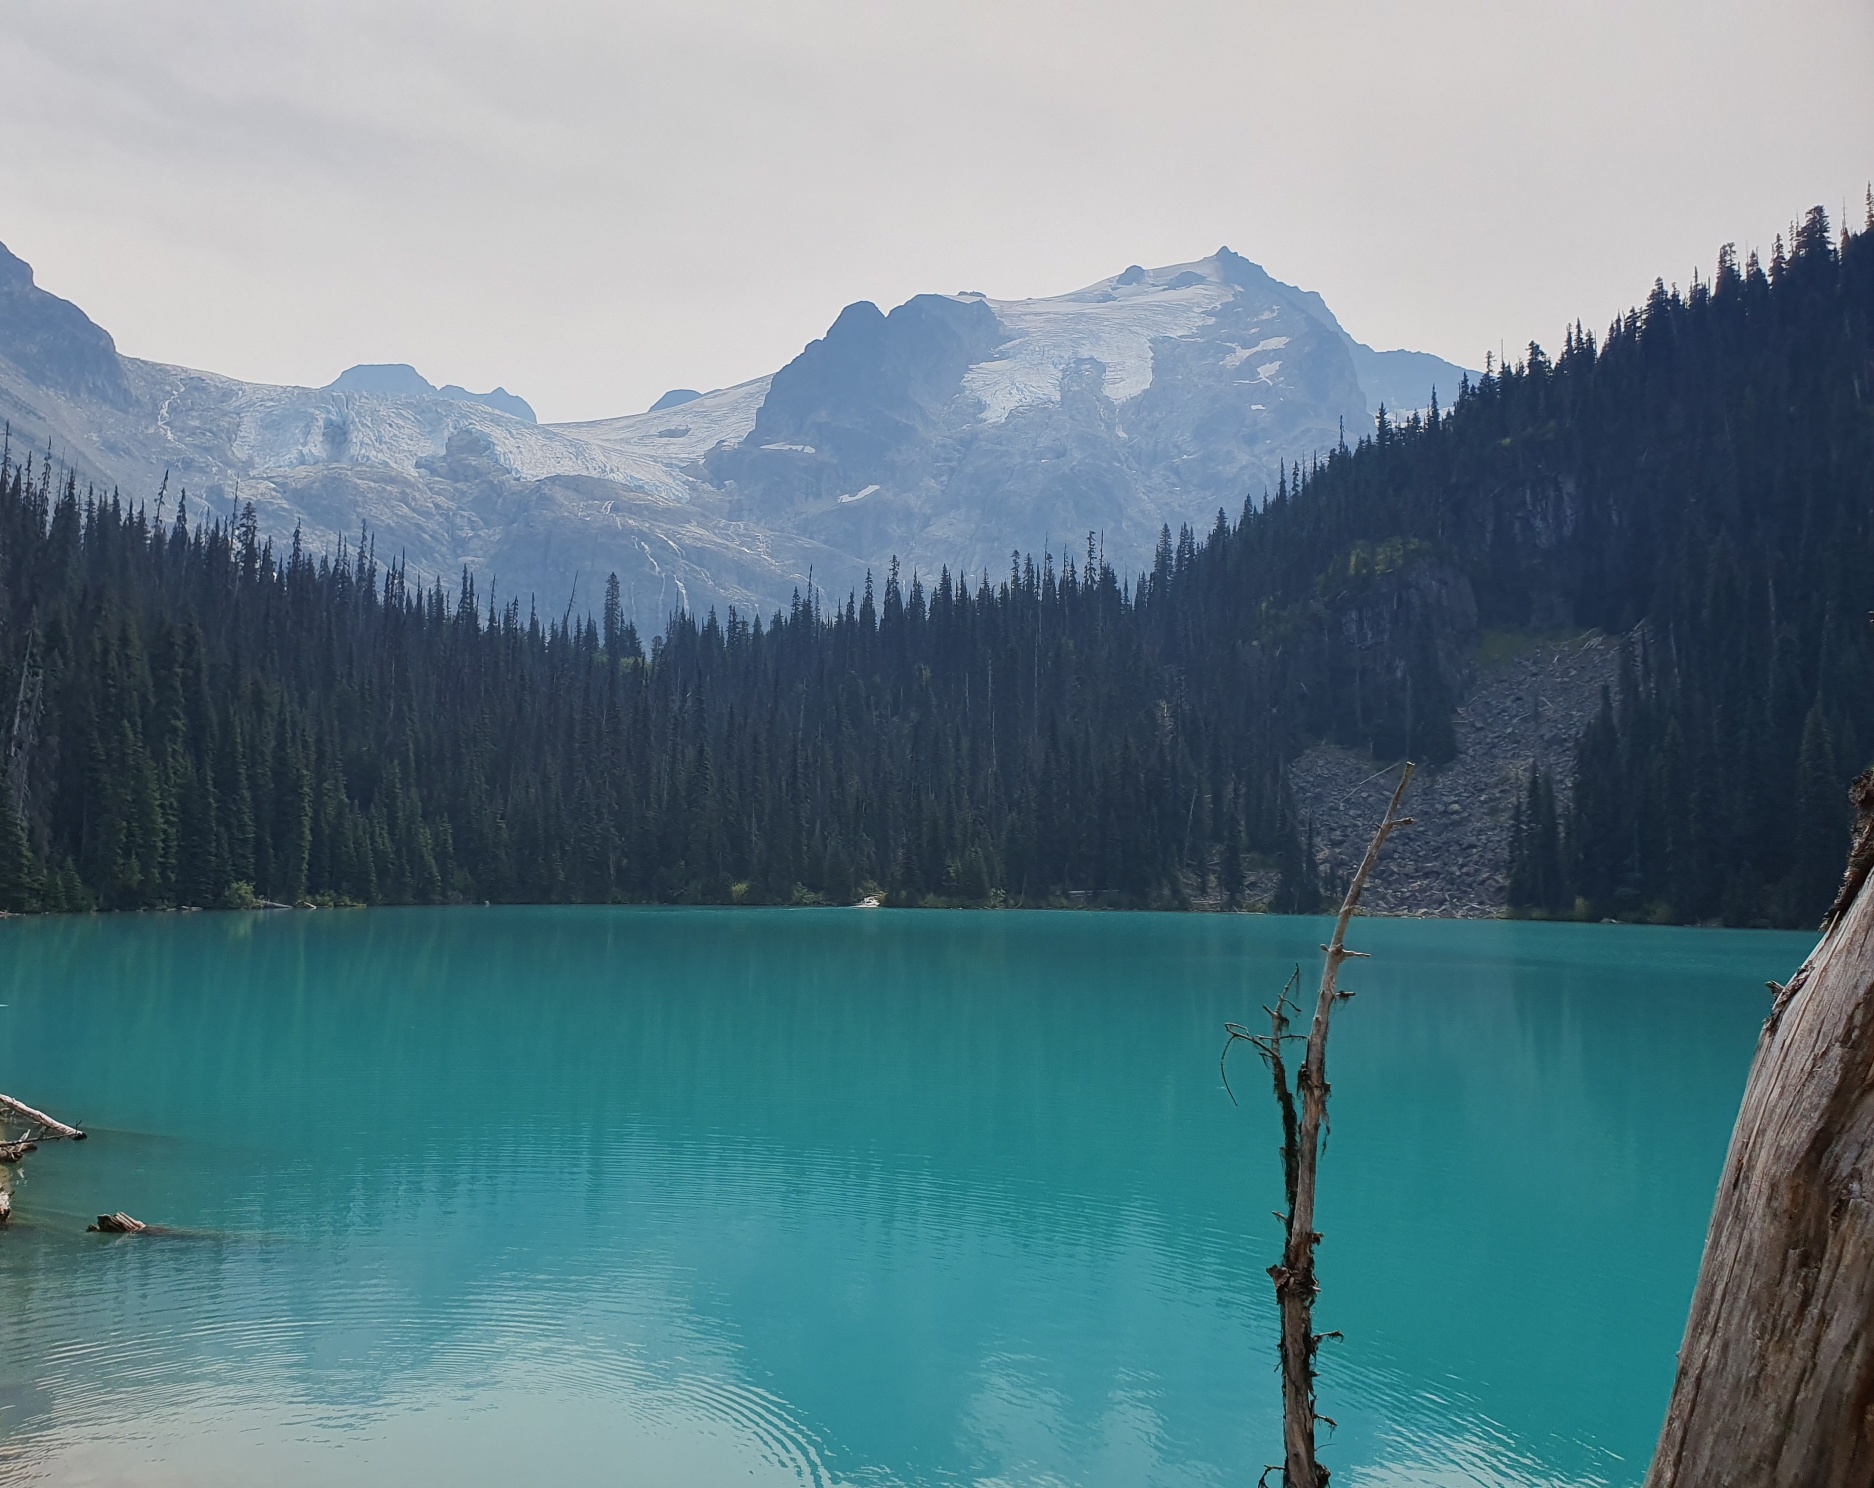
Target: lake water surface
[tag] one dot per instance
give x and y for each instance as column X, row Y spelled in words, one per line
column 516, row 1196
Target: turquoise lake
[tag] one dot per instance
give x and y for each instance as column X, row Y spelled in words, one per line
column 517, row 1196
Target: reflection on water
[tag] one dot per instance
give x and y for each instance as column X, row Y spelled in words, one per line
column 826, row 1197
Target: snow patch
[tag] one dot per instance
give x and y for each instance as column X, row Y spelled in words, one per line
column 1113, row 323
column 273, row 430
column 859, row 495
column 1241, row 354
column 725, row 416
column 277, row 429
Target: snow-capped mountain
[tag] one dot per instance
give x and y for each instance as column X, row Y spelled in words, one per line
column 950, row 431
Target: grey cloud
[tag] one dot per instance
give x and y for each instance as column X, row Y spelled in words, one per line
column 595, row 202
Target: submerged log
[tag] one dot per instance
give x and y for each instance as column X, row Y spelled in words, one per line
column 117, row 1224
column 1776, row 1374
column 43, row 1126
column 12, row 1152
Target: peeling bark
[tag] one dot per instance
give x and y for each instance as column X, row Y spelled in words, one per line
column 39, row 1125
column 1775, row 1383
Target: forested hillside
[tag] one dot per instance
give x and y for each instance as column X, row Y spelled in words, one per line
column 195, row 718
column 1703, row 478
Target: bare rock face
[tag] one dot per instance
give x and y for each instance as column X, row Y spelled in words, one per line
column 1525, row 707
column 1776, row 1375
column 54, row 342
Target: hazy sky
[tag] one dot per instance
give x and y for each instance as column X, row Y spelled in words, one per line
column 592, row 202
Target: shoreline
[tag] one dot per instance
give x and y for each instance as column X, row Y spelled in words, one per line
column 1051, row 907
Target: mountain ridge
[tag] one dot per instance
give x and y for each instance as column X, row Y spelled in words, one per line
column 946, row 431
column 401, row 380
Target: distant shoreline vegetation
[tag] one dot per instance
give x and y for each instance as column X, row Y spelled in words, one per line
column 206, row 722
column 193, row 717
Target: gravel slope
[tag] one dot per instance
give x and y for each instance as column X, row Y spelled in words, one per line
column 1526, row 706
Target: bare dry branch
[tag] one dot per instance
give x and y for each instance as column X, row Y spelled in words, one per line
column 1294, row 1279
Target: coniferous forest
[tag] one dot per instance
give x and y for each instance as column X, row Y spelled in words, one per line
column 196, row 716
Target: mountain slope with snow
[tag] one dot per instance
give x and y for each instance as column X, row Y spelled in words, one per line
column 949, row 431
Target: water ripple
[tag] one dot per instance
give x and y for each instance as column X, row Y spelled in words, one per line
column 958, row 1203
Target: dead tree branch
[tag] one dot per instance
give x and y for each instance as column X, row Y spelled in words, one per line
column 1270, row 1048
column 25, row 732
column 1295, row 1285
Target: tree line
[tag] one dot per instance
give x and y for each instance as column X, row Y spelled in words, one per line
column 200, row 720
column 195, row 715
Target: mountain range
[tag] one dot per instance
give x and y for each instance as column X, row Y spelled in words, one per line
column 948, row 432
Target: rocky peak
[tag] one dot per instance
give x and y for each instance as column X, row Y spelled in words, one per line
column 55, row 343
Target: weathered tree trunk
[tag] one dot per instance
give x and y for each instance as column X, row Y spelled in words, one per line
column 6, row 1206
column 1775, row 1387
column 39, row 1124
column 118, row 1224
column 12, row 1152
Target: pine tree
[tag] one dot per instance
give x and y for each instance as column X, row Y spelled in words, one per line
column 1821, row 821
column 1537, row 882
column 20, row 879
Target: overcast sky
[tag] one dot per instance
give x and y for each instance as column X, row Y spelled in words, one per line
column 592, row 202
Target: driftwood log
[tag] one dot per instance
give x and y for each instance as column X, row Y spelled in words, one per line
column 39, row 1128
column 39, row 1125
column 117, row 1224
column 1775, row 1386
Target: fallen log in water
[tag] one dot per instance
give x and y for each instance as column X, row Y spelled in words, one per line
column 43, row 1126
column 117, row 1224
column 12, row 1152
column 6, row 1206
